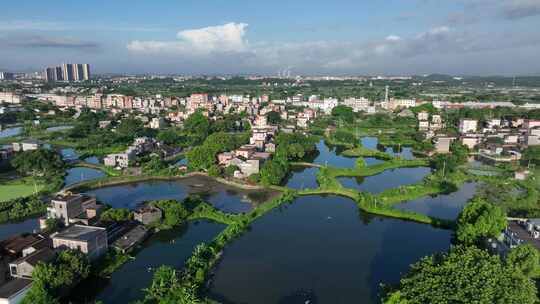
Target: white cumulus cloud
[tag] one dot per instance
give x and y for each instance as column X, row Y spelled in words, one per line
column 227, row 38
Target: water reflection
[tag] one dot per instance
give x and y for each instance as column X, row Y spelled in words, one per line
column 302, row 178
column 318, row 248
column 225, row 198
column 8, row 132
column 446, row 206
column 388, row 179
column 81, row 174
column 171, row 247
column 8, row 230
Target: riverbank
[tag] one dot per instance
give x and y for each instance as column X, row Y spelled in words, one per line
column 127, row 179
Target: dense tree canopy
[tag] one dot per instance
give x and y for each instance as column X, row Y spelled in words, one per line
column 525, row 258
column 38, row 162
column 204, row 156
column 50, row 279
column 116, row 215
column 273, row 117
column 464, row 275
column 343, row 113
column 532, row 153
column 174, row 212
column 197, row 126
column 479, row 220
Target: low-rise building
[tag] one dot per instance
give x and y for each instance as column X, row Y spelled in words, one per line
column 68, row 208
column 23, row 267
column 14, row 291
column 442, row 144
column 134, row 236
column 147, row 214
column 90, row 240
column 468, row 126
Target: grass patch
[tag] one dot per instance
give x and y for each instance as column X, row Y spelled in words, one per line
column 21, row 187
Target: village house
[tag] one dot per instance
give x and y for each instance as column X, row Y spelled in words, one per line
column 423, row 115
column 133, row 236
column 90, row 240
column 423, row 125
column 147, row 214
column 23, row 267
column 27, row 145
column 14, row 291
column 122, row 160
column 468, row 126
column 442, row 144
column 72, row 208
column 470, row 141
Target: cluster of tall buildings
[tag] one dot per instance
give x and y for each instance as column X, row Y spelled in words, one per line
column 6, row 76
column 68, row 72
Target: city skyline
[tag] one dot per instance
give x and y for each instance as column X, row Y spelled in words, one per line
column 477, row 37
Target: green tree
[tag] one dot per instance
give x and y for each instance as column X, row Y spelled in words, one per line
column 197, row 127
column 524, row 258
column 169, row 137
column 273, row 118
column 479, row 220
column 130, row 127
column 164, row 279
column 463, row 275
column 214, row 171
column 229, row 171
column 343, row 113
column 273, row 172
column 116, row 215
column 49, row 279
column 344, row 137
column 532, row 153
column 174, row 212
column 41, row 162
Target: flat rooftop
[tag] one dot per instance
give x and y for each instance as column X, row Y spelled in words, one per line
column 13, row 287
column 79, row 232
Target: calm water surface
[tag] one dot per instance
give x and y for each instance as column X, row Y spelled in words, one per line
column 446, row 206
column 69, row 154
column 388, row 179
column 330, row 156
column 170, row 248
column 8, row 132
column 58, row 128
column 373, row 142
column 223, row 197
column 302, row 178
column 92, row 160
column 11, row 229
column 321, row 249
column 81, row 174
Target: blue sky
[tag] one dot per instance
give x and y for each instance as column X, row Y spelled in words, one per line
column 474, row 37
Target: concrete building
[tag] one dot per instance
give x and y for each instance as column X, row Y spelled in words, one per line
column 442, row 144
column 90, row 240
column 67, row 72
column 468, row 126
column 6, row 76
column 26, row 145
column 23, row 267
column 10, row 97
column 147, row 215
column 69, row 208
column 157, row 123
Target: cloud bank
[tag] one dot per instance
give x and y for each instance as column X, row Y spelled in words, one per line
column 225, row 47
